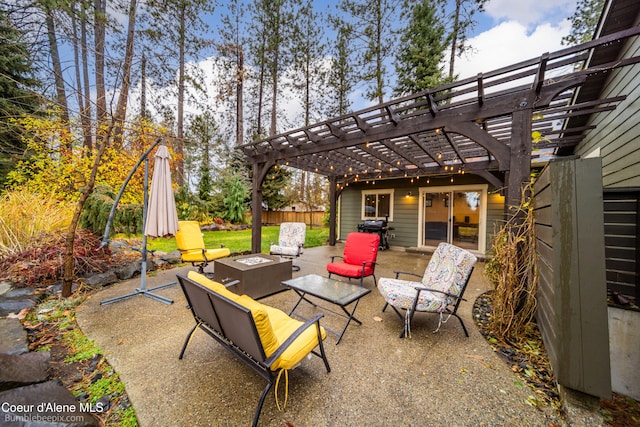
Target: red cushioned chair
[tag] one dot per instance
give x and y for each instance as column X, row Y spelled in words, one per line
column 359, row 260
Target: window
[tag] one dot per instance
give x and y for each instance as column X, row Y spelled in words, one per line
column 377, row 204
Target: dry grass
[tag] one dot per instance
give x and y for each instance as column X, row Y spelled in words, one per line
column 24, row 216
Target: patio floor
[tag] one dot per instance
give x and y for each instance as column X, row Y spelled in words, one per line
column 376, row 378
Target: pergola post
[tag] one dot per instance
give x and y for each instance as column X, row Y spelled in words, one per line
column 519, row 174
column 259, row 172
column 333, row 198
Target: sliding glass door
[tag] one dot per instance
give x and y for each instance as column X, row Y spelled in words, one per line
column 455, row 215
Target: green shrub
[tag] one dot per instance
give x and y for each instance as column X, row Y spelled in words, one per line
column 95, row 214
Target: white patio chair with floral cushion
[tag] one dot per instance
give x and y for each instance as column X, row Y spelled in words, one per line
column 440, row 290
column 290, row 241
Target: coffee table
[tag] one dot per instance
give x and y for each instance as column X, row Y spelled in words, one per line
column 258, row 275
column 333, row 291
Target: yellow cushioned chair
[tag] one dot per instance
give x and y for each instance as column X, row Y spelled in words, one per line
column 192, row 248
column 265, row 338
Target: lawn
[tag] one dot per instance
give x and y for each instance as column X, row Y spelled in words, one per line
column 240, row 241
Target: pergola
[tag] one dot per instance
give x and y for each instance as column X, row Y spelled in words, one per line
column 492, row 125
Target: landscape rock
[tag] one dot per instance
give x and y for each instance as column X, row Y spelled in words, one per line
column 101, row 279
column 17, row 370
column 14, row 337
column 44, row 404
column 12, row 300
column 8, row 306
column 129, row 270
column 4, row 287
column 173, row 257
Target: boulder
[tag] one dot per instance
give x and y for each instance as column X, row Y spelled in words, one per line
column 101, row 279
column 12, row 300
column 13, row 337
column 45, row 404
column 173, row 257
column 17, row 370
column 128, row 271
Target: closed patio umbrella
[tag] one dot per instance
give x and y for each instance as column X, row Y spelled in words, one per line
column 162, row 217
column 159, row 215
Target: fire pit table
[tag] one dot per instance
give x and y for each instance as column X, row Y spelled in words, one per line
column 259, row 275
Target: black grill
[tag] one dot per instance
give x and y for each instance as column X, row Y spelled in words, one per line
column 376, row 226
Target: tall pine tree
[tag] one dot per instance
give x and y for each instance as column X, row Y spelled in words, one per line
column 584, row 22
column 16, row 95
column 424, row 40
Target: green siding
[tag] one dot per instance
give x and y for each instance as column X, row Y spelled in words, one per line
column 495, row 216
column 617, row 134
column 406, row 209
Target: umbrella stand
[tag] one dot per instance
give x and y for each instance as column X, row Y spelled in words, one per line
column 142, row 290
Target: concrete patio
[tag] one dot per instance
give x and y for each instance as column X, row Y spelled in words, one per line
column 376, row 378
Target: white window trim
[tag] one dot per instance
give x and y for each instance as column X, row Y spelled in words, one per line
column 365, row 193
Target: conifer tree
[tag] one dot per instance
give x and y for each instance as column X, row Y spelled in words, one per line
column 583, row 22
column 419, row 63
column 17, row 96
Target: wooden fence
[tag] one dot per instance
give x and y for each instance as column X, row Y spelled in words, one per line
column 572, row 294
column 315, row 218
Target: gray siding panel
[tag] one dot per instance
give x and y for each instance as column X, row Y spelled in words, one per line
column 618, row 132
column 572, row 310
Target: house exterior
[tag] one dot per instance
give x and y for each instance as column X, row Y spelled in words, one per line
column 462, row 209
column 419, row 211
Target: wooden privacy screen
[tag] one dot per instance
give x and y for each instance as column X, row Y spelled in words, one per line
column 572, row 293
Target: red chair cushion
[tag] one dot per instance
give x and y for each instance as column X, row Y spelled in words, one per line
column 349, row 270
column 359, row 248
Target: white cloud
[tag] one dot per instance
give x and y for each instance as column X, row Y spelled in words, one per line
column 507, row 44
column 528, row 12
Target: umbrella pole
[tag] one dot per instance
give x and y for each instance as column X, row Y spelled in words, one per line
column 142, row 290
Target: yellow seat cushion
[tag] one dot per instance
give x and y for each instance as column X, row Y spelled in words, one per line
column 214, row 286
column 280, row 327
column 195, row 255
column 300, row 348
